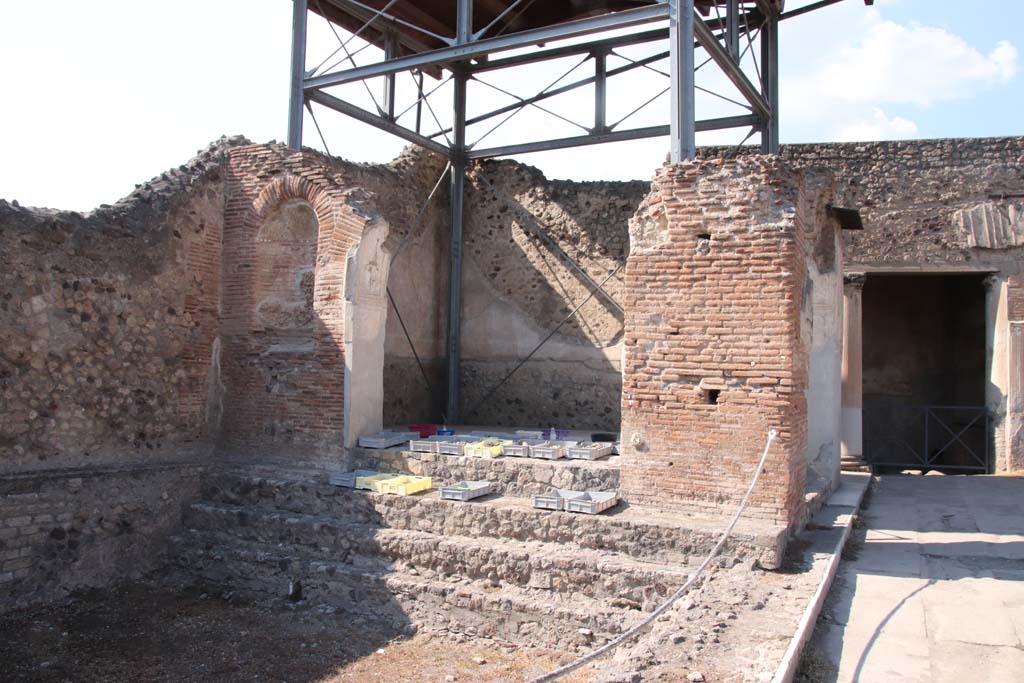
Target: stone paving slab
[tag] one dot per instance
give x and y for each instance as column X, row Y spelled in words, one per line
column 934, row 590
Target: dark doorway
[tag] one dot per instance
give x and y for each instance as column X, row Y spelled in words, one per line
column 924, row 373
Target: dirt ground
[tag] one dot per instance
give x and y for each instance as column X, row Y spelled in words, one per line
column 140, row 633
column 731, row 628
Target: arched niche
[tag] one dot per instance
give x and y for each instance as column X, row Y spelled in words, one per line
column 286, row 244
column 366, row 277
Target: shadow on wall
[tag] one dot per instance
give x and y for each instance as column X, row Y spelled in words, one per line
column 303, row 322
column 535, row 250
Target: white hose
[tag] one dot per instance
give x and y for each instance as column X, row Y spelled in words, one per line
column 628, row 635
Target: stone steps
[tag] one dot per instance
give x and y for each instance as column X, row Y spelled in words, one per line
column 640, row 533
column 404, row 595
column 555, row 567
column 513, row 476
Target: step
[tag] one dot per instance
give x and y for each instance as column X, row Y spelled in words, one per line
column 513, row 476
column 552, row 566
column 524, row 616
column 638, row 532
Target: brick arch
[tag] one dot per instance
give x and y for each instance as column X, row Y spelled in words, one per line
column 280, row 190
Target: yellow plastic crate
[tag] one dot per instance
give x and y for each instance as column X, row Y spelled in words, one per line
column 488, row 448
column 369, row 482
column 405, row 486
column 380, row 485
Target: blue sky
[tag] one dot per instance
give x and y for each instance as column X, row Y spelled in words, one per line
column 103, row 95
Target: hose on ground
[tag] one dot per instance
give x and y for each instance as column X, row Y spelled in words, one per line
column 636, row 630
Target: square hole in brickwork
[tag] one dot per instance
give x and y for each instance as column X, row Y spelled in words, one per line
column 711, row 396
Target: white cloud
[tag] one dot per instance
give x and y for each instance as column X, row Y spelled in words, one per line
column 877, row 127
column 911, row 63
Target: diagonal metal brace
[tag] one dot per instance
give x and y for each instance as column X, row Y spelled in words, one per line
column 724, row 61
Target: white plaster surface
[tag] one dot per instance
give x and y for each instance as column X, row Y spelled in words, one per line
column 366, row 277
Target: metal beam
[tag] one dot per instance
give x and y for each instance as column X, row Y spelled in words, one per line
column 376, row 121
column 732, row 70
column 683, row 109
column 732, row 30
column 390, row 52
column 463, row 34
column 770, row 85
column 479, row 48
column 614, row 136
column 296, row 100
column 600, row 91
column 809, row 8
column 570, row 50
column 526, row 101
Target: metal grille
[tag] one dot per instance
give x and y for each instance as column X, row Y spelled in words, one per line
column 939, row 437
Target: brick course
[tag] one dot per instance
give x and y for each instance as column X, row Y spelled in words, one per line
column 713, row 294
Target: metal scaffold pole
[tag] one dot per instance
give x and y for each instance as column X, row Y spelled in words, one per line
column 296, row 98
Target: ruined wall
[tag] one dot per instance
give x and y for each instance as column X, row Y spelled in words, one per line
column 108, row 325
column 301, row 299
column 526, row 240
column 714, row 350
column 108, row 344
column 927, row 203
column 933, row 206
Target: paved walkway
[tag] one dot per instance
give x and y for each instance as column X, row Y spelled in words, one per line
column 933, row 590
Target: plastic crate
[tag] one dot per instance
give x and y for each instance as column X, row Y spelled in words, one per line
column 428, row 445
column 587, row 502
column 588, row 451
column 386, row 439
column 520, row 448
column 403, row 485
column 369, row 481
column 550, row 450
column 467, row 490
column 455, row 445
column 425, row 431
column 554, row 499
column 591, row 502
column 488, row 448
column 348, row 479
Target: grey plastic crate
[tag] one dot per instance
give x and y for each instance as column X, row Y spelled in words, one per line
column 456, row 445
column 520, row 448
column 348, row 479
column 591, row 502
column 424, row 445
column 550, row 450
column 467, row 490
column 387, row 439
column 554, row 499
column 588, row 451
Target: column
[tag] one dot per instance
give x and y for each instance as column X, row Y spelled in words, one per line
column 852, row 431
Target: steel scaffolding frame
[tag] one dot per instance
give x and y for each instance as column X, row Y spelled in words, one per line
column 727, row 39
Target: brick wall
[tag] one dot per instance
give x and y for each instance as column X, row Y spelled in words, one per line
column 713, row 353
column 66, row 529
column 291, row 220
